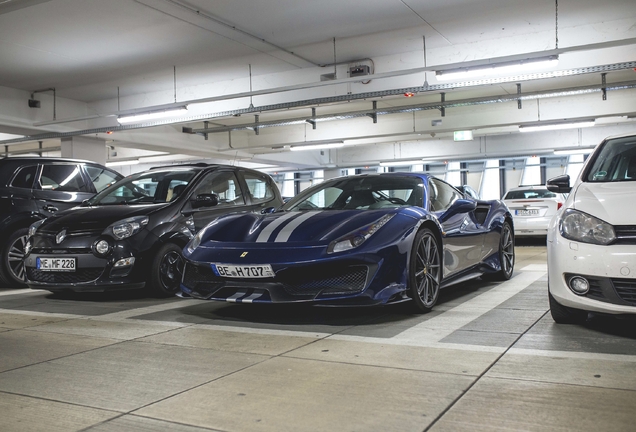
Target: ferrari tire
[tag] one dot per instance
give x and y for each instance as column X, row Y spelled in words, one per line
column 506, row 255
column 565, row 315
column 166, row 271
column 12, row 259
column 425, row 270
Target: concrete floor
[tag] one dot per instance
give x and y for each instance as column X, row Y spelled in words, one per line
column 489, row 357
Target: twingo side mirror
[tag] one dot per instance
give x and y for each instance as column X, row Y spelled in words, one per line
column 205, row 200
column 559, row 184
column 268, row 210
column 459, row 206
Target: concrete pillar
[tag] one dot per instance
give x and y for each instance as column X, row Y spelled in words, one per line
column 79, row 147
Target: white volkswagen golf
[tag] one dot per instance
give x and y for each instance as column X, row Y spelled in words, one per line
column 592, row 239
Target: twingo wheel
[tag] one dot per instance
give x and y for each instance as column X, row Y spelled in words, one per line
column 13, row 270
column 425, row 270
column 565, row 315
column 506, row 255
column 166, row 271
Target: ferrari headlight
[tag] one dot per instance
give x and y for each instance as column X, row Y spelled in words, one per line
column 582, row 227
column 195, row 242
column 34, row 227
column 127, row 227
column 356, row 238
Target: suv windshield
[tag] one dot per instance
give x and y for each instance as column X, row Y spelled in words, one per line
column 614, row 162
column 150, row 187
column 359, row 193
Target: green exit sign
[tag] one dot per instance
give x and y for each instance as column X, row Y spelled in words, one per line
column 463, row 135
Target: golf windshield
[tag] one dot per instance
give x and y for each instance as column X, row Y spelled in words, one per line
column 615, row 161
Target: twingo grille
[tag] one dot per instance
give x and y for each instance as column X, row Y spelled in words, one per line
column 350, row 280
column 626, row 289
column 79, row 276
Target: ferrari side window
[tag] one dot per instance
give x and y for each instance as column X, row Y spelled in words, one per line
column 442, row 195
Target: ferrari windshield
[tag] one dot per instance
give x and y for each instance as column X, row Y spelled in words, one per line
column 615, row 161
column 360, row 193
column 149, row 187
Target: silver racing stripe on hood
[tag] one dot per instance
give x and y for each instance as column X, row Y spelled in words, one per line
column 287, row 231
column 269, row 229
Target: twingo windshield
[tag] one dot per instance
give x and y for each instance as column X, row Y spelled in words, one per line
column 615, row 161
column 149, row 187
column 359, row 193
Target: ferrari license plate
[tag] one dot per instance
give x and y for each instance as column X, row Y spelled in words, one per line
column 243, row 271
column 56, row 264
column 527, row 212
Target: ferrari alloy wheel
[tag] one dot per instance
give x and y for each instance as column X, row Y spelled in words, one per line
column 425, row 270
column 13, row 258
column 167, row 269
column 506, row 255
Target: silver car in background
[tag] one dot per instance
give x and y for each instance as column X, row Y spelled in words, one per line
column 532, row 208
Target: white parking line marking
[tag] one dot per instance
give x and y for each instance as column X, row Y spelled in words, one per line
column 573, row 355
column 536, row 267
column 436, row 329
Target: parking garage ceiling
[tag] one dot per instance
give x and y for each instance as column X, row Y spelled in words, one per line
column 260, row 77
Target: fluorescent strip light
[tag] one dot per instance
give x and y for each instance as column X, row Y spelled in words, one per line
column 498, row 68
column 317, row 146
column 121, row 163
column 153, row 115
column 556, row 126
column 574, row 151
column 401, row 163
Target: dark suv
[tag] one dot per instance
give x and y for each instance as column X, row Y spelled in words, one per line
column 132, row 234
column 33, row 188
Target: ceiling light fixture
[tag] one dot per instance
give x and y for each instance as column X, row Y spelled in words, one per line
column 543, row 126
column 508, row 67
column 401, row 163
column 151, row 115
column 321, row 146
column 574, row 151
column 122, row 163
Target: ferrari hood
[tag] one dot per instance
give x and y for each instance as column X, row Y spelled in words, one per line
column 306, row 226
column 94, row 218
column 614, row 202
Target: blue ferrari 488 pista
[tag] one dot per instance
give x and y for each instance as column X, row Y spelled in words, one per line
column 358, row 240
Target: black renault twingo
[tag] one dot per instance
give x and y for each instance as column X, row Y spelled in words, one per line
column 131, row 235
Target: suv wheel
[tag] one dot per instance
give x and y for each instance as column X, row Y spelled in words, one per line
column 12, row 255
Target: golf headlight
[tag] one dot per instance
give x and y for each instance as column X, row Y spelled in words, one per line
column 127, row 227
column 357, row 237
column 579, row 226
column 34, row 227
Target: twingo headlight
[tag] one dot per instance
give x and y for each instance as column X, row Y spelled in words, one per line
column 34, row 227
column 582, row 227
column 357, row 237
column 127, row 227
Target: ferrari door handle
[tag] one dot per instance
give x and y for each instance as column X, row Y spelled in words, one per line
column 50, row 208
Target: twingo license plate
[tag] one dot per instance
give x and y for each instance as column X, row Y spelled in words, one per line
column 56, row 264
column 243, row 271
column 527, row 212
